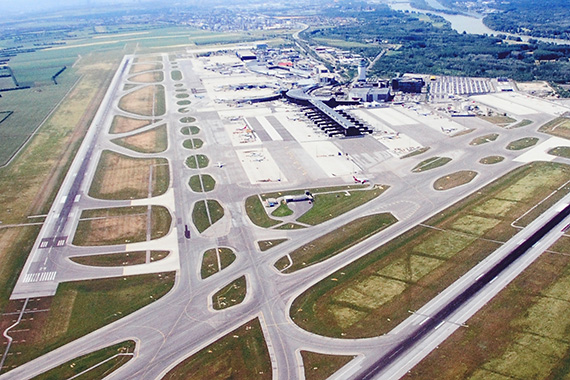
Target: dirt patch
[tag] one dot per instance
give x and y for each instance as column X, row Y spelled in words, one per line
column 123, row 124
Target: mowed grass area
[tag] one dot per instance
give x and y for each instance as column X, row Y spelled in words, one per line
column 282, row 211
column 430, row 163
column 329, row 206
column 322, row 366
column 490, row 160
column 216, row 260
column 113, row 357
column 123, row 177
column 149, row 77
column 198, row 161
column 153, row 141
column 146, row 101
column 372, row 295
column 264, row 245
column 122, row 124
column 500, row 120
column 202, row 183
column 192, row 130
column 484, row 139
column 561, row 151
column 206, row 213
column 230, row 295
column 242, row 354
column 119, row 259
column 79, row 308
column 522, row 333
column 453, row 180
column 337, row 241
column 121, row 225
column 558, row 127
column 193, row 143
column 523, row 143
column 257, row 214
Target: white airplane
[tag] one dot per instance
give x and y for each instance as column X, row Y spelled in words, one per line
column 220, row 164
column 361, row 180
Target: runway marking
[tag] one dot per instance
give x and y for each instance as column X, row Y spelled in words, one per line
column 46, row 242
column 39, row 277
column 61, row 241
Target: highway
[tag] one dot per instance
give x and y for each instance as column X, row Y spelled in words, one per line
column 183, row 321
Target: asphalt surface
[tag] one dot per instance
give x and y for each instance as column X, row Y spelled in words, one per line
column 183, row 322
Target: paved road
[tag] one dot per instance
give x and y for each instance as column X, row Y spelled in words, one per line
column 183, row 322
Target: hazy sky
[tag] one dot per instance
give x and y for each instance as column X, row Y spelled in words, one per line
column 20, row 6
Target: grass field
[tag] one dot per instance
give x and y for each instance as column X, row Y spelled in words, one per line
column 499, row 120
column 150, row 77
column 122, row 124
column 337, row 241
column 264, row 245
column 329, row 206
column 215, row 260
column 192, row 130
column 558, row 127
column 484, row 139
column 206, row 213
column 521, row 333
column 201, row 183
column 282, row 211
column 454, row 179
column 256, row 213
column 122, row 177
column 523, row 143
column 430, row 163
column 322, row 366
column 490, row 160
column 153, row 141
column 230, row 295
column 147, row 101
column 120, row 259
column 81, row 307
column 198, row 161
column 121, row 225
column 372, row 295
column 193, row 143
column 561, row 151
column 114, row 357
column 229, row 358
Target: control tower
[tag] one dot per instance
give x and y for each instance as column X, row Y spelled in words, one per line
column 362, row 71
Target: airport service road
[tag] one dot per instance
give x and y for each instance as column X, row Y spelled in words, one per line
column 183, row 322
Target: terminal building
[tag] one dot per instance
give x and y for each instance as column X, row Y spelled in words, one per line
column 410, row 85
column 370, row 94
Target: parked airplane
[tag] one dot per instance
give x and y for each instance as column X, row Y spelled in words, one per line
column 220, row 164
column 360, row 180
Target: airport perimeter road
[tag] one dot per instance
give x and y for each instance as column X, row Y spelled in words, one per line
column 183, row 322
column 437, row 320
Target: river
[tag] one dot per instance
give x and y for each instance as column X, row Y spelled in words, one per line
column 463, row 23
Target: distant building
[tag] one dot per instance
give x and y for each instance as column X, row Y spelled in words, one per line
column 370, row 94
column 413, row 85
column 246, row 55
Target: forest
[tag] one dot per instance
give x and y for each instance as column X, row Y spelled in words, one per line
column 428, row 45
